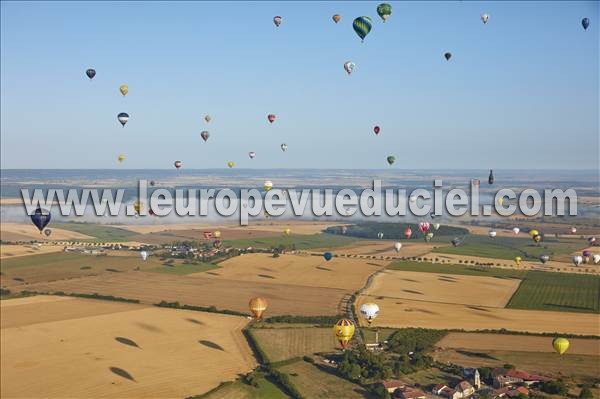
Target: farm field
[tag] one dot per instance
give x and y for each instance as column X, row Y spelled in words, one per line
column 28, row 232
column 516, row 343
column 315, row 241
column 444, row 288
column 386, row 248
column 286, row 343
column 184, row 268
column 224, row 294
column 239, row 390
column 314, row 383
column 312, row 271
column 467, row 270
column 97, row 232
column 398, row 313
column 134, row 351
column 8, row 251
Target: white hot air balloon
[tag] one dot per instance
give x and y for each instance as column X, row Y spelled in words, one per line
column 596, row 258
column 398, row 246
column 369, row 311
column 436, row 226
column 485, row 17
column 144, row 255
column 349, row 67
column 284, row 147
column 516, row 230
column 577, row 260
column 492, row 233
column 251, row 154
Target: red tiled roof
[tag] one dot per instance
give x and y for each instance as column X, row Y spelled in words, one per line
column 392, row 384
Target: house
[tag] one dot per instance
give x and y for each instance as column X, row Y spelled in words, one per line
column 515, row 393
column 392, row 385
column 464, row 389
column 527, row 377
column 409, row 393
column 446, row 392
column 501, row 381
column 438, row 389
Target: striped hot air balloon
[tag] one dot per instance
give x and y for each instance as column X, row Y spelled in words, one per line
column 362, row 26
column 343, row 331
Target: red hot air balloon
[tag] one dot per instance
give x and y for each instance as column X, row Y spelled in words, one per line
column 407, row 233
column 376, row 129
column 271, row 118
column 424, row 227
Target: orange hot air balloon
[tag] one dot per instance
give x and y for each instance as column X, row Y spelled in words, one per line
column 343, row 331
column 257, row 306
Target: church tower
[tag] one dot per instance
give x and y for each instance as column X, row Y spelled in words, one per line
column 477, row 380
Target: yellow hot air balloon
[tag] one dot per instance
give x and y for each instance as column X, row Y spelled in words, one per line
column 121, row 158
column 231, row 164
column 287, row 232
column 217, row 234
column 533, row 233
column 537, row 238
column 518, row 260
column 124, row 89
column 138, row 206
column 560, row 345
column 343, row 331
column 267, row 185
column 500, row 201
column 257, row 306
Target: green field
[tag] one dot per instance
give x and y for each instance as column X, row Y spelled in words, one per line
column 558, row 291
column 468, row 270
column 395, row 231
column 184, row 268
column 100, row 232
column 299, row 241
column 286, row 343
column 239, row 390
column 314, row 383
column 510, row 247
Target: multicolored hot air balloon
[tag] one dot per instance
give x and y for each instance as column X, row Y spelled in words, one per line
column 380, row 235
column 343, row 331
column 591, row 240
column 369, row 311
column 284, row 147
column 336, row 18
column 424, row 227
column 251, row 154
column 138, row 207
column 91, row 73
column 384, row 11
column 428, row 236
column 398, row 246
column 271, row 118
column 349, row 67
column 376, row 130
column 328, row 256
column 230, row 164
column 205, row 135
column 447, row 56
column 407, row 233
column 123, row 117
column 277, row 20
column 391, row 159
column 40, row 218
column 585, row 23
column 47, row 232
column 537, row 238
column 178, row 164
column 518, row 260
column 124, row 89
column 362, row 26
column 560, row 345
column 455, row 242
column 484, row 18
column 257, row 306
column 544, row 259
column 267, row 185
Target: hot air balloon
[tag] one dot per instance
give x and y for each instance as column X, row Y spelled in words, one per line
column 152, row 183
column 516, row 230
column 271, row 118
column 585, row 23
column 391, row 159
column 398, row 246
column 287, row 231
column 380, row 235
column 41, row 218
column 455, row 242
column 407, row 233
column 518, row 260
column 369, row 311
column 537, row 238
column 349, row 67
column 362, row 26
column 428, row 236
column 178, row 164
column 492, row 233
column 121, row 158
column 138, row 207
column 328, row 256
column 560, row 345
column 284, row 147
column 573, row 230
column 90, row 73
column 596, row 259
column 343, row 331
column 217, row 243
column 592, row 241
column 484, row 18
column 230, row 164
column 586, row 255
column 277, row 20
column 217, row 234
column 533, row 233
column 207, row 118
column 124, row 89
column 205, row 135
column 384, row 11
column 336, row 18
column 123, row 117
column 144, row 255
column 267, row 185
column 447, row 56
column 257, row 306
column 47, row 232
column 544, row 258
column 577, row 260
column 491, row 177
column 376, row 129
column 251, row 154
column 424, row 227
column 436, row 226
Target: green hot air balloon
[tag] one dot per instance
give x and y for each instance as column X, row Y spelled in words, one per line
column 391, row 159
column 384, row 10
column 362, row 26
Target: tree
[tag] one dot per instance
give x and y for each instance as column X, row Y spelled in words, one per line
column 380, row 392
column 586, row 393
column 554, row 387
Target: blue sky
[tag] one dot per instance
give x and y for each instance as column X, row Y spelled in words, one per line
column 519, row 92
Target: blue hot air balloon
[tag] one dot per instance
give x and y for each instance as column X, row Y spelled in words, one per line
column 585, row 23
column 362, row 26
column 328, row 256
column 40, row 219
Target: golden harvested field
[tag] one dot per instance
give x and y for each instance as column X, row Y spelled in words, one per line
column 27, row 232
column 386, row 248
column 12, row 251
column 516, row 343
column 399, row 313
column 286, row 343
column 134, row 351
column 311, row 271
column 224, row 294
column 433, row 287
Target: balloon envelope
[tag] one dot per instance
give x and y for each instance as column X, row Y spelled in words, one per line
column 251, row 154
column 257, row 306
column 144, row 255
column 284, row 147
column 267, row 185
column 384, row 11
column 124, row 89
column 516, row 230
column 277, row 20
column 560, row 345
column 328, row 256
column 271, row 118
column 596, row 259
column 205, row 135
column 544, row 258
column 121, row 158
column 577, row 260
column 90, row 73
column 518, row 260
column 484, row 18
column 178, row 164
column 41, row 218
column 123, row 117
column 391, row 159
column 398, row 246
column 362, row 26
column 376, row 129
column 407, row 232
column 585, row 23
column 47, row 232
column 343, row 331
column 447, row 56
column 336, row 18
column 230, row 164
column 349, row 67
column 369, row 311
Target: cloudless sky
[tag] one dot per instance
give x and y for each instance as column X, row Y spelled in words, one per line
column 519, row 92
